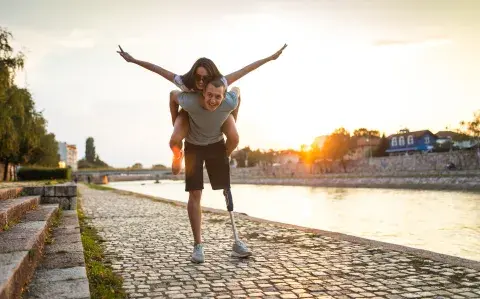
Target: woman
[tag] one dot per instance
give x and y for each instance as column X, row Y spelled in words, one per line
column 194, row 81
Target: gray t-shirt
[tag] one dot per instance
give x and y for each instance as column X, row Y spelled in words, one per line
column 206, row 126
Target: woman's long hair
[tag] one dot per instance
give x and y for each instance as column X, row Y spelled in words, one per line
column 212, row 70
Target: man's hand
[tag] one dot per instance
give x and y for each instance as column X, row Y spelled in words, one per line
column 125, row 55
column 278, row 53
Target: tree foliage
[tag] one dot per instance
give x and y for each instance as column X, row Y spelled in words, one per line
column 472, row 128
column 381, row 150
column 23, row 135
column 91, row 159
column 337, row 145
column 90, row 150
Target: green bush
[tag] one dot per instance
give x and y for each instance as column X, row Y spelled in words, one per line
column 39, row 174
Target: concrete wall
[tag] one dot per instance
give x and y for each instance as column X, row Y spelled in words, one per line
column 424, row 164
column 64, row 194
column 465, row 160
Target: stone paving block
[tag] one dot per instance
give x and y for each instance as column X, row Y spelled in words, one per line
column 73, row 203
column 63, row 202
column 45, row 276
column 8, row 262
column 150, row 241
column 72, row 289
column 63, row 259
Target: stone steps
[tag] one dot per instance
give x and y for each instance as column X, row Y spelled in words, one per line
column 13, row 209
column 8, row 193
column 62, row 272
column 21, row 248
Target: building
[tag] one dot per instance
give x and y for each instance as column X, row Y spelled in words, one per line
column 68, row 155
column 459, row 141
column 406, row 142
column 286, row 157
column 365, row 146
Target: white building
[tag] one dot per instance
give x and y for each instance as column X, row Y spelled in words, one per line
column 68, row 155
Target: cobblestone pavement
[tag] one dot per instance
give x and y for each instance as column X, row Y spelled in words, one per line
column 149, row 244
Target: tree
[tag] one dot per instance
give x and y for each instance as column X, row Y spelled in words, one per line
column 90, row 155
column 23, row 134
column 91, row 159
column 472, row 128
column 362, row 132
column 337, row 145
column 159, row 167
column 9, row 64
column 381, row 150
column 137, row 166
column 241, row 156
column 23, row 127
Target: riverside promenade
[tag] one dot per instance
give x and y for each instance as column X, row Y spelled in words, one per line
column 149, row 244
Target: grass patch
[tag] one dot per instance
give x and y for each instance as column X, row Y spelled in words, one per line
column 57, row 218
column 99, row 187
column 103, row 282
column 9, row 225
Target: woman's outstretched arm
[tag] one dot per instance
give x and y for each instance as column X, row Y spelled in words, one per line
column 242, row 72
column 149, row 66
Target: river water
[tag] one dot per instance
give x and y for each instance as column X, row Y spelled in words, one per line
column 441, row 221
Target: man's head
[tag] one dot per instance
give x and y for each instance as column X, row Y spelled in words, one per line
column 213, row 94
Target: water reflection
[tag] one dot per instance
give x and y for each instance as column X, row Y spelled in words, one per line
column 441, row 221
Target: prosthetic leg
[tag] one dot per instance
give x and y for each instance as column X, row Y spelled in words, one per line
column 239, row 249
column 229, row 201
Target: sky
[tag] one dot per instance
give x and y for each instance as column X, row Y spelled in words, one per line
column 382, row 65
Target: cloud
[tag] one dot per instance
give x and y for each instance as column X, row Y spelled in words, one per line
column 431, row 42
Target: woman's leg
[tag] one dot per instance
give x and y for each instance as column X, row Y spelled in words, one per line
column 180, row 131
column 229, row 128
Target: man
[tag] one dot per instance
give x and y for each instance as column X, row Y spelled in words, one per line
column 205, row 144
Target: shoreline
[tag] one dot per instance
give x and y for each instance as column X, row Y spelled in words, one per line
column 470, row 184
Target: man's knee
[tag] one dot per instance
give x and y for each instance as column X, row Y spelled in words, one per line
column 195, row 195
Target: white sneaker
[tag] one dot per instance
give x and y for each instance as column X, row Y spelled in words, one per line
column 198, row 256
column 239, row 249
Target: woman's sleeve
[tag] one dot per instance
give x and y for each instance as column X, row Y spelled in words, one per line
column 225, row 82
column 177, row 80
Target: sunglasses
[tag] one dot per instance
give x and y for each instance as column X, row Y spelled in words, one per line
column 199, row 78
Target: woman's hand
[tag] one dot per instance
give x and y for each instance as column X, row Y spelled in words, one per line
column 278, row 53
column 125, row 55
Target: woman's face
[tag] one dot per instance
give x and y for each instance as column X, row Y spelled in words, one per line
column 201, row 76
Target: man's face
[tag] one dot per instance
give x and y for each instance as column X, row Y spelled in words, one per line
column 213, row 97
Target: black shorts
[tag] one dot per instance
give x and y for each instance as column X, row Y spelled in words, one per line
column 218, row 168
